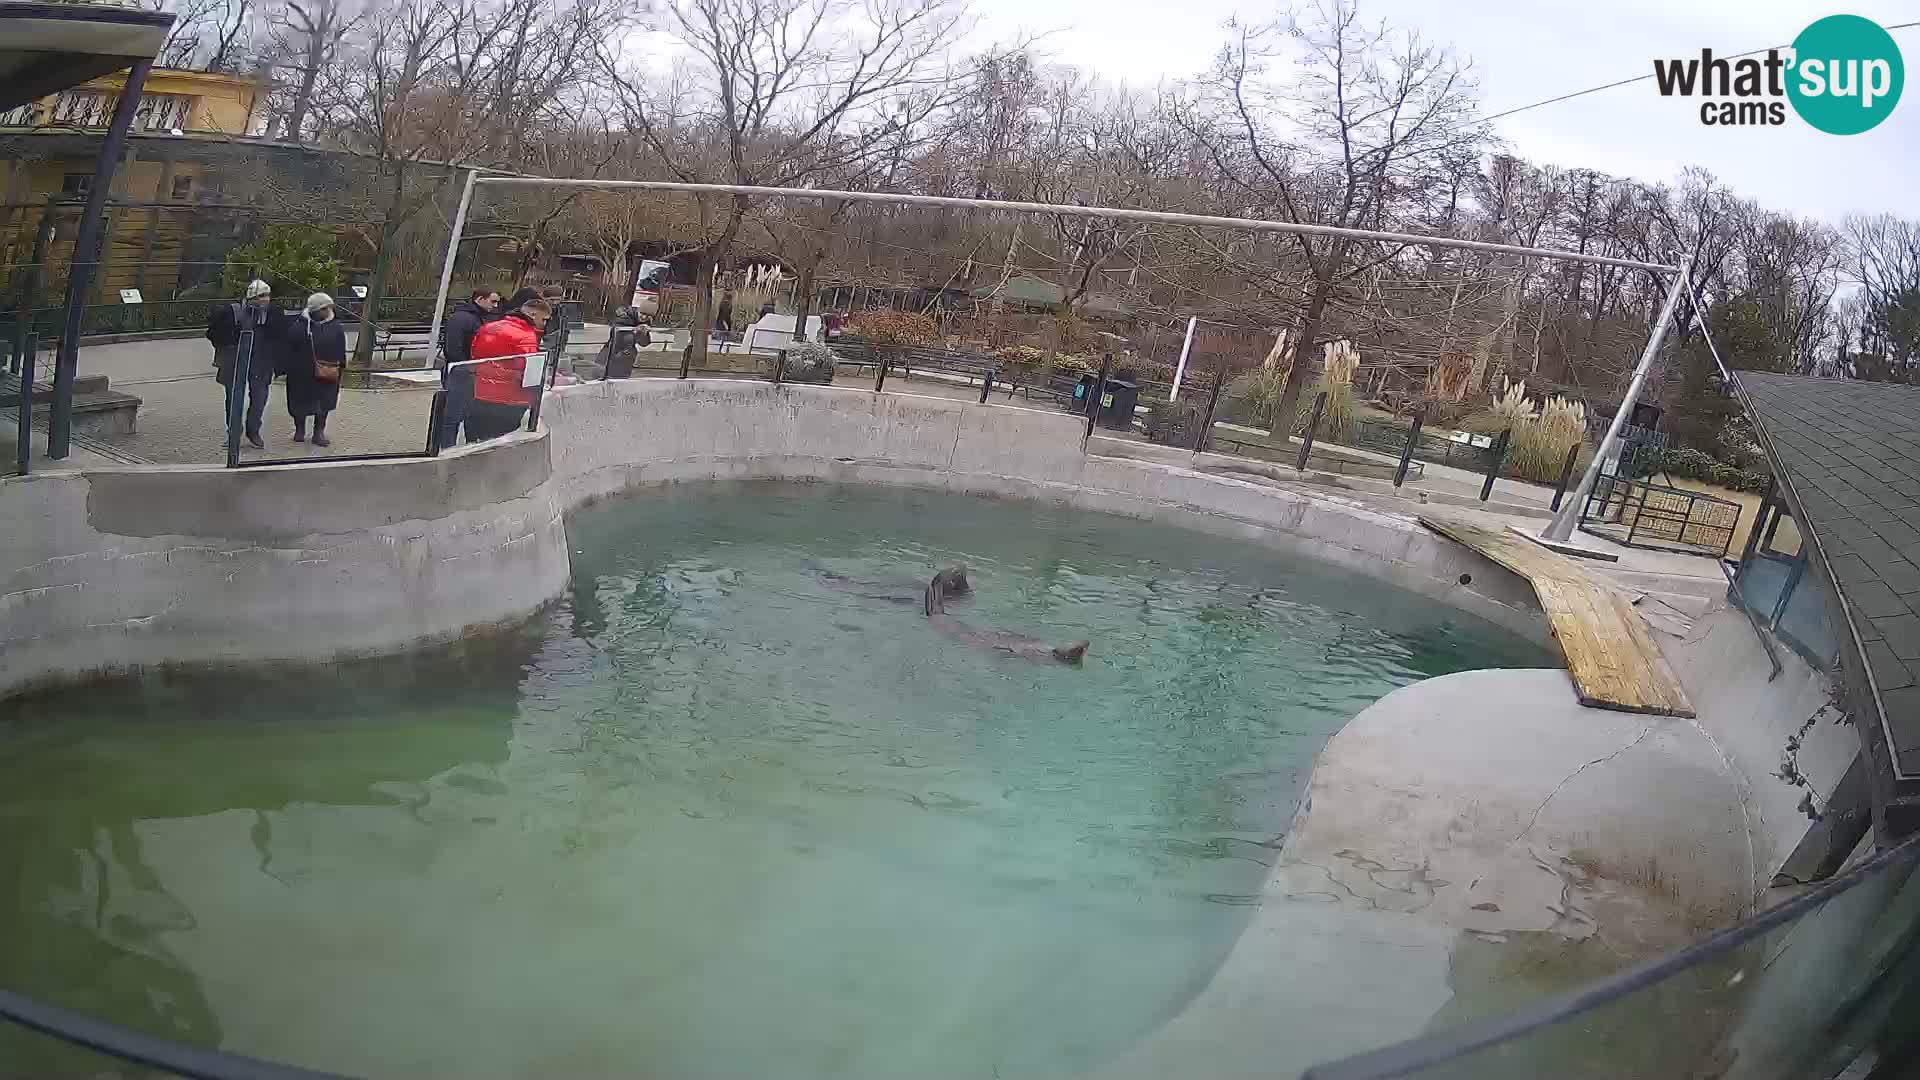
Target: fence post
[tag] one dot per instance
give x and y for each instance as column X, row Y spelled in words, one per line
column 1213, row 401
column 25, row 430
column 779, row 366
column 1099, row 391
column 435, row 410
column 986, row 386
column 1493, row 467
column 1313, row 426
column 237, row 395
column 1634, row 529
column 30, row 289
column 881, row 379
column 1406, row 452
column 1566, row 474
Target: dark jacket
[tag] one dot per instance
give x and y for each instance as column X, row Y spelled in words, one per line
column 456, row 337
column 520, row 296
column 308, row 342
column 226, row 319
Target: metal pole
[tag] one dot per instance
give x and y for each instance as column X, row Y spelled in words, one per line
column 42, row 240
column 1213, row 401
column 1098, row 212
column 435, row 410
column 237, row 393
column 1099, row 390
column 1406, row 452
column 1566, row 474
column 446, row 274
column 1313, row 425
column 1493, row 469
column 1560, row 529
column 1180, row 368
column 86, row 256
column 24, row 450
column 881, row 379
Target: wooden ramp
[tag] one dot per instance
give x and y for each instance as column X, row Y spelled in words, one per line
column 1611, row 654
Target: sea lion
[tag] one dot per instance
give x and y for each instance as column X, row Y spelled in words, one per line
column 1027, row 648
column 894, row 590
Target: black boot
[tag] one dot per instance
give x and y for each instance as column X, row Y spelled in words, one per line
column 320, row 430
column 299, row 429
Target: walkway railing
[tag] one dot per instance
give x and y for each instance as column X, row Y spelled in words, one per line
column 1825, row 981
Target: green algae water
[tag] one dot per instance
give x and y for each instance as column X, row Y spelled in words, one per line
column 712, row 816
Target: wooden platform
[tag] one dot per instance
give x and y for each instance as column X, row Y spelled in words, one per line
column 1611, row 654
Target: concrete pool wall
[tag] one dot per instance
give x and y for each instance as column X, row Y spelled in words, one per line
column 115, row 570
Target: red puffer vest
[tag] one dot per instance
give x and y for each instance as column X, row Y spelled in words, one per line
column 498, row 380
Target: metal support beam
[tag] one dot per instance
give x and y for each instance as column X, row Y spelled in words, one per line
column 446, row 273
column 1180, row 369
column 1060, row 210
column 1560, row 529
column 86, row 257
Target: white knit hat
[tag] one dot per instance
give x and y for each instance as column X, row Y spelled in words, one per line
column 256, row 287
column 317, row 301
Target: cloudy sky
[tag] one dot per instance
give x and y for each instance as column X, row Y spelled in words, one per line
column 1525, row 52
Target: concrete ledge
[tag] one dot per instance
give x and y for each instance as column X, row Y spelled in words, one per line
column 114, row 570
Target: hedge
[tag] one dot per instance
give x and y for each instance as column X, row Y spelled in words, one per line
column 1696, row 465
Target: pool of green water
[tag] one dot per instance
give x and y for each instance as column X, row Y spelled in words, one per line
column 711, row 815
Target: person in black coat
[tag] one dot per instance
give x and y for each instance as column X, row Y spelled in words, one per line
column 456, row 346
column 316, row 354
column 225, row 323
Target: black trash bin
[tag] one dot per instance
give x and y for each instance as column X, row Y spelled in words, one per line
column 1117, row 404
column 1082, row 391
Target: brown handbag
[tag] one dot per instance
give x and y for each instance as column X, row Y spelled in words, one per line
column 323, row 370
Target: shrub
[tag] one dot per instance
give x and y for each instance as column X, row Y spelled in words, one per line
column 888, row 327
column 293, row 258
column 1697, row 465
column 809, row 362
column 1541, row 436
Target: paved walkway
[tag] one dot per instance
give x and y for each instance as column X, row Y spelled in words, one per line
column 182, row 420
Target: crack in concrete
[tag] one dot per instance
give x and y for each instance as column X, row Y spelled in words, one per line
column 1570, row 777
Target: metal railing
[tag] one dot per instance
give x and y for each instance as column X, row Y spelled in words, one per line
column 1641, row 514
column 1850, row 994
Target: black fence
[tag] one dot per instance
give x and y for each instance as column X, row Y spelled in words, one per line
column 1386, row 438
column 1646, row 515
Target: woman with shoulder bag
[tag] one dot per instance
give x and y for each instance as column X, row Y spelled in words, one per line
column 316, row 355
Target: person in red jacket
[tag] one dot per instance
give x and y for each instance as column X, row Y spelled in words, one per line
column 500, row 403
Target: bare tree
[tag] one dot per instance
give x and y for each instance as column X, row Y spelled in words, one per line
column 781, row 93
column 424, row 86
column 1332, row 144
column 209, row 35
column 306, row 37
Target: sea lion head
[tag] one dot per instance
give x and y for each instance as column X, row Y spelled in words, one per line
column 954, row 580
column 1071, row 654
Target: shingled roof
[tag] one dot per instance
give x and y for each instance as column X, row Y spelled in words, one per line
column 1848, row 454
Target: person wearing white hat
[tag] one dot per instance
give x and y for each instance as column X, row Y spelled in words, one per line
column 225, row 323
column 316, row 355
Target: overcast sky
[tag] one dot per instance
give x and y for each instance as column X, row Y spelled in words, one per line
column 1526, row 51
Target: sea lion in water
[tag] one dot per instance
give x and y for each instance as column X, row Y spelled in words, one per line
column 1028, row 648
column 894, row 590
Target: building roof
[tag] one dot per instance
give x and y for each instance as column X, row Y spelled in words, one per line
column 1849, row 455
column 1041, row 293
column 49, row 47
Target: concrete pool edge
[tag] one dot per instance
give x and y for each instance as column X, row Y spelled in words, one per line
column 118, row 570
